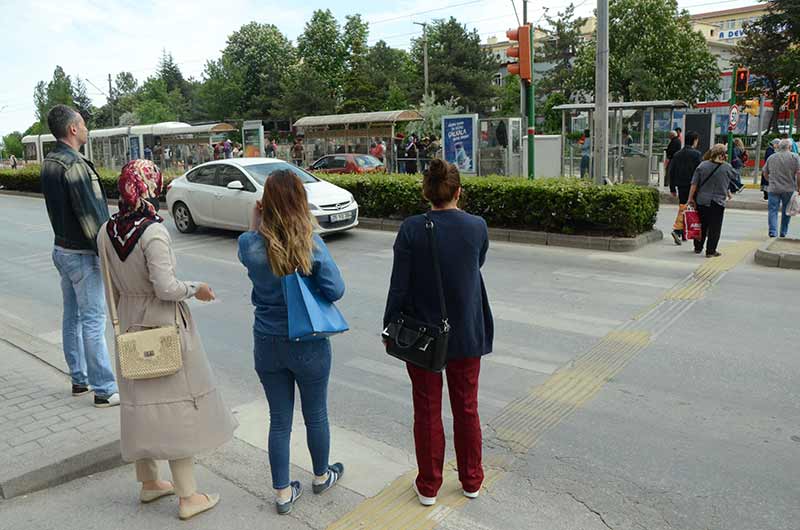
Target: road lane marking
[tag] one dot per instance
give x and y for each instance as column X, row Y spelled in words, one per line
column 505, row 311
column 524, row 364
column 638, row 280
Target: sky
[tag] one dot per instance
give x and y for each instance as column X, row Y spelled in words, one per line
column 92, row 38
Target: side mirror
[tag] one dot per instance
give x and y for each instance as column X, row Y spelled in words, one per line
column 235, row 185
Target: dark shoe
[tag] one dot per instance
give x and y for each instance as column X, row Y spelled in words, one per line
column 698, row 250
column 285, row 508
column 713, row 255
column 772, row 235
column 676, row 237
column 335, row 472
column 79, row 390
column 106, row 402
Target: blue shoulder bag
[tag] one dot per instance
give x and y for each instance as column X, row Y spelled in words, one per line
column 311, row 315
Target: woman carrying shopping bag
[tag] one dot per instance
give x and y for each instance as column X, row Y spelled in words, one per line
column 168, row 417
column 281, row 245
column 436, row 279
column 709, row 193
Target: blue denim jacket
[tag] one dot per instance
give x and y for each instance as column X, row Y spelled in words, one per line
column 267, row 295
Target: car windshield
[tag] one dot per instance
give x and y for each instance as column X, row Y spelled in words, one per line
column 260, row 172
column 368, row 161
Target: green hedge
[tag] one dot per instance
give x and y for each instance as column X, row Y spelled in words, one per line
column 27, row 179
column 568, row 206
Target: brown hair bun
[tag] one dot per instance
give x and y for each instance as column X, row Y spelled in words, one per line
column 440, row 182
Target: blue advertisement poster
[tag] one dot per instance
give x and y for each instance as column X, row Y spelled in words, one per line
column 460, row 141
column 134, row 143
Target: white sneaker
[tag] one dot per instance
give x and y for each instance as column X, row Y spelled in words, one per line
column 473, row 495
column 423, row 500
column 110, row 401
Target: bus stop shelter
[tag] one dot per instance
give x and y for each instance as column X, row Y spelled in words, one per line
column 352, row 133
column 638, row 137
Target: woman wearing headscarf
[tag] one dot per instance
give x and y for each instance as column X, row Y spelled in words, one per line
column 178, row 416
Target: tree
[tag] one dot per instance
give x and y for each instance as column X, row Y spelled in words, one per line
column 458, row 65
column 247, row 80
column 393, row 76
column 59, row 90
column 552, row 118
column 306, row 93
column 769, row 49
column 322, row 49
column 82, row 102
column 559, row 48
column 432, row 113
column 358, row 88
column 508, row 102
column 125, row 84
column 654, row 54
column 12, row 145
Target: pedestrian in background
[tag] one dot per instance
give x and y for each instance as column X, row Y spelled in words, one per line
column 771, row 148
column 681, row 170
column 178, row 416
column 77, row 207
column 673, row 147
column 709, row 192
column 280, row 241
column 462, row 241
column 627, row 141
column 782, row 170
column 586, row 153
column 13, row 160
column 297, row 152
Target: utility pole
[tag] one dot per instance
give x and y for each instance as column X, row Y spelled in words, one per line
column 600, row 146
column 530, row 104
column 734, row 75
column 111, row 99
column 761, row 102
column 424, row 50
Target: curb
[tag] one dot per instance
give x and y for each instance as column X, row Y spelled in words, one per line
column 667, row 198
column 55, row 466
column 612, row 244
column 781, row 260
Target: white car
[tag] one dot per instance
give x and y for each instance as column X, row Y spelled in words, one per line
column 222, row 194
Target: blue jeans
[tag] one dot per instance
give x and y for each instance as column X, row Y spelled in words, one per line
column 83, row 328
column 778, row 201
column 585, row 169
column 280, row 364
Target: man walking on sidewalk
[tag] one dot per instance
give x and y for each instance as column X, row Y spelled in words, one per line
column 76, row 205
column 681, row 168
column 781, row 170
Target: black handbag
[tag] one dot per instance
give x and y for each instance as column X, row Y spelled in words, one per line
column 413, row 340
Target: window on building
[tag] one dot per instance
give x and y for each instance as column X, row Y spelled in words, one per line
column 497, row 80
column 731, row 23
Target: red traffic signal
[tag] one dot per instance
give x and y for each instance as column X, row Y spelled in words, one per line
column 791, row 102
column 522, row 52
column 742, row 78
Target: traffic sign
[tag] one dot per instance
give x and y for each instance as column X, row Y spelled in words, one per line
column 733, row 117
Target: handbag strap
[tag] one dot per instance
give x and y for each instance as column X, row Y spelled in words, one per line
column 106, row 266
column 429, row 228
column 708, row 177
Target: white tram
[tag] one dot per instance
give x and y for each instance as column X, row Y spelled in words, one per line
column 170, row 144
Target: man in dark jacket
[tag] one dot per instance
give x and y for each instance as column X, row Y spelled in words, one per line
column 673, row 147
column 77, row 207
column 681, row 168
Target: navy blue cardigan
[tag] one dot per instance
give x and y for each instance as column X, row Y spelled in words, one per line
column 462, row 242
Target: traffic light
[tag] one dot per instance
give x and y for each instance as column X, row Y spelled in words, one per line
column 742, row 77
column 751, row 107
column 791, row 103
column 522, row 52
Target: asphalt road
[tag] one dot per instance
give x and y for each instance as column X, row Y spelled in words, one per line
column 699, row 431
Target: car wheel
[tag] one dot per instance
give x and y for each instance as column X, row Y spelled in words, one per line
column 183, row 218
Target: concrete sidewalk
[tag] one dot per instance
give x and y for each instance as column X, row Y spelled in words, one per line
column 47, row 437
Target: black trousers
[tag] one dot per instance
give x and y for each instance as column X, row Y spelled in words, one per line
column 711, row 220
column 683, row 194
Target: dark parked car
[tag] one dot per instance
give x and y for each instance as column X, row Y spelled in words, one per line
column 348, row 163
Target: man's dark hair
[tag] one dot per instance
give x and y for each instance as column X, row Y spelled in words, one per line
column 691, row 136
column 678, row 130
column 60, row 118
column 586, row 132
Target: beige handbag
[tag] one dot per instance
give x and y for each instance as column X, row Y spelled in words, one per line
column 146, row 354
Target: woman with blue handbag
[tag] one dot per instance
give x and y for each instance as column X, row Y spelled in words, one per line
column 295, row 282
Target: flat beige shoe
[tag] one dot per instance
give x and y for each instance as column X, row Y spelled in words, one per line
column 187, row 512
column 147, row 496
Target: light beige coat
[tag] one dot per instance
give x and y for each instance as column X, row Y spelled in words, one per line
column 176, row 416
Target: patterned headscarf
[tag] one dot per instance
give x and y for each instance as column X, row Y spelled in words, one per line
column 139, row 181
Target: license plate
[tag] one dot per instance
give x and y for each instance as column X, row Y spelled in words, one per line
column 335, row 218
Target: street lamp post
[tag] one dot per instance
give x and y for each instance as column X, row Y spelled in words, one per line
column 424, row 50
column 601, row 95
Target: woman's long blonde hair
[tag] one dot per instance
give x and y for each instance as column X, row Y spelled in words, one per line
column 286, row 224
